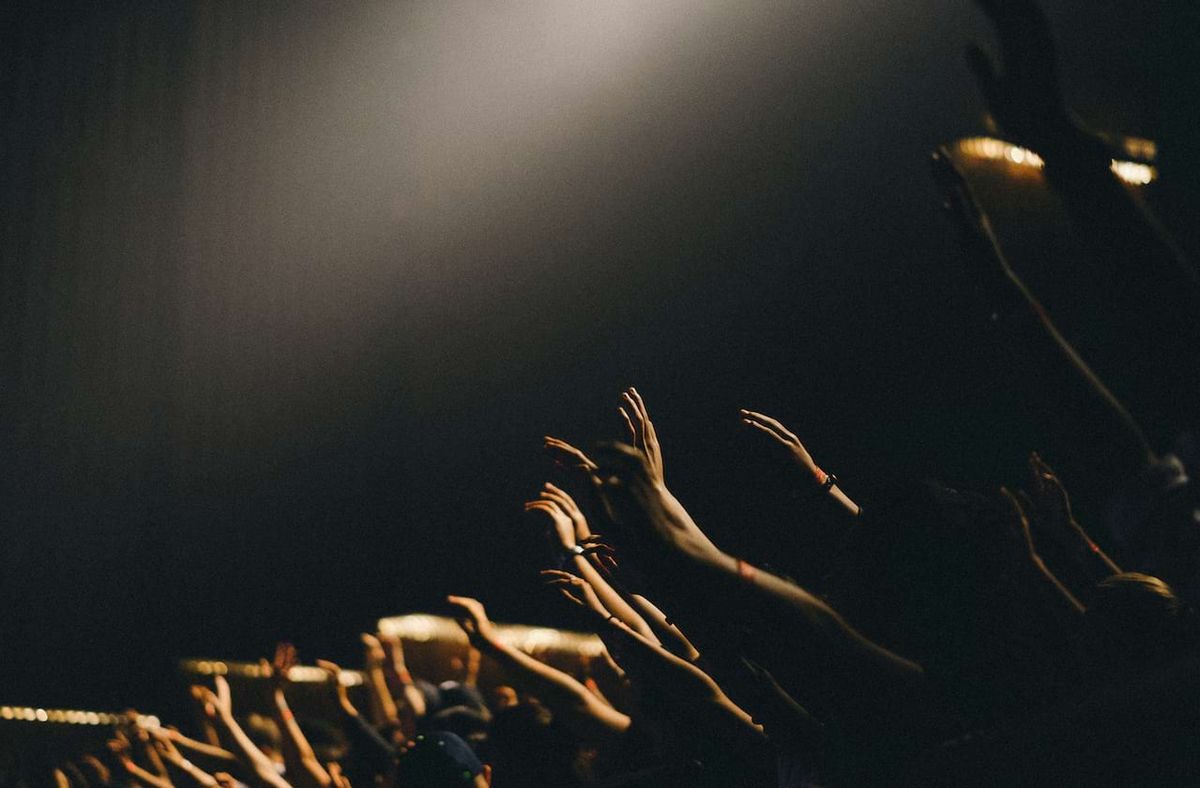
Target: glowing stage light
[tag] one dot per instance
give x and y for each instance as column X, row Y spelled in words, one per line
column 1024, row 160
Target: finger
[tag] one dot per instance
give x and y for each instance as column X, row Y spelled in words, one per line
column 639, row 404
column 329, row 667
column 568, row 595
column 772, row 423
column 563, row 498
column 650, row 434
column 764, row 428
column 628, row 424
column 573, row 455
column 555, row 573
column 619, row 455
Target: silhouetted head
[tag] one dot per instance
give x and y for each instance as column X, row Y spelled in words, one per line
column 440, row 759
column 530, row 748
column 1136, row 621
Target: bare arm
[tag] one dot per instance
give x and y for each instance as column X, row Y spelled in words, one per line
column 724, row 590
column 301, row 765
column 259, row 768
column 825, row 488
column 568, row 521
column 571, row 702
column 1042, row 341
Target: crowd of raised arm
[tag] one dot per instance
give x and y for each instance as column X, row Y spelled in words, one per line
column 958, row 637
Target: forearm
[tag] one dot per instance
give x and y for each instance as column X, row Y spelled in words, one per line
column 1047, row 351
column 668, row 634
column 570, row 701
column 145, row 777
column 216, row 759
column 1058, row 599
column 612, row 601
column 679, row 679
column 829, row 657
column 185, row 774
column 383, row 706
column 258, row 767
column 400, row 684
column 298, row 756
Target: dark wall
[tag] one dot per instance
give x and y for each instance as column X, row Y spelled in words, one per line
column 291, row 292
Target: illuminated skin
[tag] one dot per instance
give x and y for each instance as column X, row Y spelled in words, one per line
column 567, row 521
column 571, row 702
column 382, row 705
column 717, row 587
column 300, row 762
column 185, row 772
column 791, row 445
column 396, row 672
column 692, row 689
column 259, row 769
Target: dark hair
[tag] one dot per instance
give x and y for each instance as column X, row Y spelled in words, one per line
column 438, row 759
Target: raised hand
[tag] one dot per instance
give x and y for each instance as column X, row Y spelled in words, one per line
column 786, row 442
column 373, row 652
column 782, row 438
column 564, row 528
column 641, row 431
column 334, row 674
column 1050, row 505
column 642, row 507
column 280, row 666
column 567, row 456
column 473, row 619
column 222, row 699
column 186, row 773
column 572, row 510
column 575, row 589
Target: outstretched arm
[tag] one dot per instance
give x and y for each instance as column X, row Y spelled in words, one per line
column 567, row 521
column 714, row 588
column 571, row 702
column 258, row 767
column 401, row 685
column 824, row 486
column 693, row 695
column 1025, row 99
column 370, row 748
column 301, row 765
column 1060, row 537
column 1041, row 340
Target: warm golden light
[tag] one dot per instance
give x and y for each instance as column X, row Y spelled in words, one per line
column 1025, row 160
column 423, row 628
column 304, row 674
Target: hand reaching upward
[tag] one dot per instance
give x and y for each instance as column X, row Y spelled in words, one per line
column 572, row 510
column 564, row 529
column 641, row 506
column 642, row 435
column 782, row 438
column 575, row 589
column 473, row 619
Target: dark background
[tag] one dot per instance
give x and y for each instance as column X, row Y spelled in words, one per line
column 292, row 291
